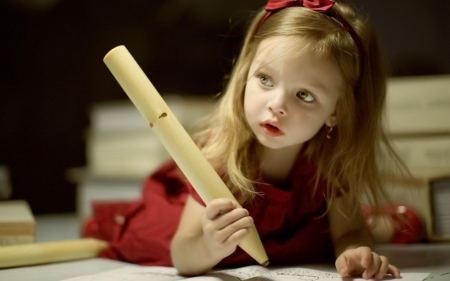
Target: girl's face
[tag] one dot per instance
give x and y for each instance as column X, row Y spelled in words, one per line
column 290, row 93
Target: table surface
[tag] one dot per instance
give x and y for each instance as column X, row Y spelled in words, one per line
column 433, row 258
column 422, row 258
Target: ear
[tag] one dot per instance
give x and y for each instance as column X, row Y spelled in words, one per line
column 332, row 120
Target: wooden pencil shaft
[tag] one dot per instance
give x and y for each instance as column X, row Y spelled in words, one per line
column 49, row 252
column 174, row 137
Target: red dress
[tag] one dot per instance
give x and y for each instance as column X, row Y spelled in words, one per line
column 290, row 221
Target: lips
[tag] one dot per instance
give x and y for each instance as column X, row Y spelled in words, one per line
column 271, row 128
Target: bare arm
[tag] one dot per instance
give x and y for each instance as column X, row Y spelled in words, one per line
column 207, row 235
column 188, row 251
column 352, row 243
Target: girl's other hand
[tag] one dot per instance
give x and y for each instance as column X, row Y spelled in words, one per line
column 225, row 225
column 363, row 262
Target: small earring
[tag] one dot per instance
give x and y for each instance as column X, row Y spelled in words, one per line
column 329, row 130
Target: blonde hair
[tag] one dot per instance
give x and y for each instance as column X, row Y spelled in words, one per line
column 350, row 161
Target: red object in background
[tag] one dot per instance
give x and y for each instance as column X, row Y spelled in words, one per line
column 397, row 223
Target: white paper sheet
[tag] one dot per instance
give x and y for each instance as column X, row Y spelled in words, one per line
column 249, row 273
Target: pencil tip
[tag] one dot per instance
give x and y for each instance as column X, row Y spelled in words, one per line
column 266, row 263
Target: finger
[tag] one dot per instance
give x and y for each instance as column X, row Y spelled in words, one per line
column 365, row 255
column 232, row 228
column 341, row 266
column 218, row 207
column 394, row 271
column 237, row 236
column 232, row 232
column 383, row 268
column 372, row 267
column 231, row 217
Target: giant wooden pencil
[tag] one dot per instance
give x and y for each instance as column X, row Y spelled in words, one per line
column 175, row 139
column 49, row 252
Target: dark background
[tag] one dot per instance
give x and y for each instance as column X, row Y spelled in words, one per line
column 52, row 70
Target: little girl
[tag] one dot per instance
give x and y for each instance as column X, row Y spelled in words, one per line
column 298, row 139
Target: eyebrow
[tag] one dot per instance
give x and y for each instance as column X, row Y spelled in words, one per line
column 318, row 85
column 262, row 64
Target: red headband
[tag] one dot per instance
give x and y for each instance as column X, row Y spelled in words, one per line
column 321, row 6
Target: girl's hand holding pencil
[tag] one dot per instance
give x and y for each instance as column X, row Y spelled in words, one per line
column 224, row 226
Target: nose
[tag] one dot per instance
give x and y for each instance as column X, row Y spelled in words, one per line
column 277, row 104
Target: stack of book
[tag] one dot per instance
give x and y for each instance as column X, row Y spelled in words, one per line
column 17, row 223
column 418, row 120
column 120, row 143
column 441, row 207
column 122, row 150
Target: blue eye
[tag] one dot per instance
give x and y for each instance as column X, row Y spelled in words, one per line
column 266, row 80
column 306, row 96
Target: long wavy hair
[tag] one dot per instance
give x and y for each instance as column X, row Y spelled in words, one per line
column 352, row 161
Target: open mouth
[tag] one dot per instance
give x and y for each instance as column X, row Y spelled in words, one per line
column 271, row 129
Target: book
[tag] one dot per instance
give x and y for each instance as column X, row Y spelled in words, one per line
column 428, row 193
column 122, row 150
column 130, row 155
column 122, row 115
column 424, row 151
column 17, row 223
column 114, row 116
column 418, row 104
column 248, row 273
column 119, row 142
column 91, row 189
column 440, row 198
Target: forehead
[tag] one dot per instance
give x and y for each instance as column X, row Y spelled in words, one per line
column 284, row 46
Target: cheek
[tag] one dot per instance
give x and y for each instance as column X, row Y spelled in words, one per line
column 323, row 114
column 251, row 102
column 313, row 116
column 310, row 121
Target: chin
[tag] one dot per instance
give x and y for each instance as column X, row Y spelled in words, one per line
column 272, row 143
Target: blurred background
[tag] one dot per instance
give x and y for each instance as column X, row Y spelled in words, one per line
column 52, row 71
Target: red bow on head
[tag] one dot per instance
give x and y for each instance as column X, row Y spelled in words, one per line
column 321, row 6
column 315, row 5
